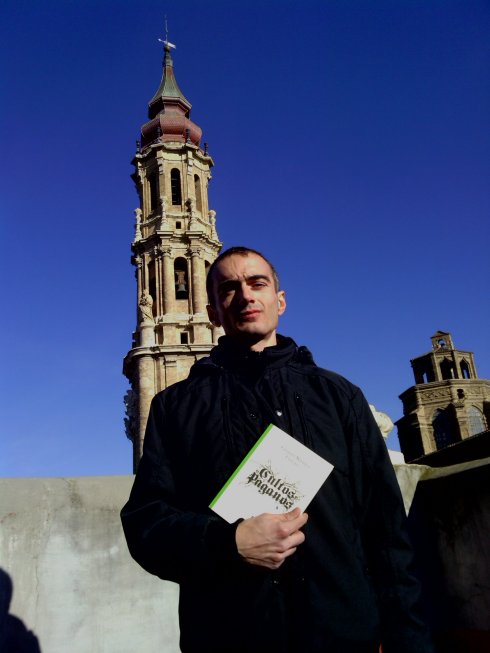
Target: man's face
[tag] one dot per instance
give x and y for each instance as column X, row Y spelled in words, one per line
column 245, row 300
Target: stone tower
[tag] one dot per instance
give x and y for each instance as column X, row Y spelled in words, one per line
column 175, row 242
column 448, row 402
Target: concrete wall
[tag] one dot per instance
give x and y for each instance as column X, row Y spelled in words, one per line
column 75, row 586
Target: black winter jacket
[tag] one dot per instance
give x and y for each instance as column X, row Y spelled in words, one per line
column 347, row 588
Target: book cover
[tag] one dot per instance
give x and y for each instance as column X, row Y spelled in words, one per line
column 277, row 475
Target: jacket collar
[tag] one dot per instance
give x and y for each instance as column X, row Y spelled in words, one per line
column 231, row 355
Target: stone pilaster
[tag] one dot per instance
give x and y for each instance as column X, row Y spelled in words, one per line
column 168, row 281
column 198, row 282
column 146, row 392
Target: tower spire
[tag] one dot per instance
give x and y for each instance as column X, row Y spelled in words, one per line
column 168, row 92
column 169, row 109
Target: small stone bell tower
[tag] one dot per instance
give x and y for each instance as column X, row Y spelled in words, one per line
column 448, row 402
column 174, row 244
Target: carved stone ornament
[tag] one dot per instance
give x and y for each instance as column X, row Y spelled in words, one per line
column 164, row 223
column 190, row 210
column 383, row 421
column 212, row 222
column 434, row 394
column 139, row 172
column 161, row 164
column 137, row 231
column 145, row 308
column 131, row 421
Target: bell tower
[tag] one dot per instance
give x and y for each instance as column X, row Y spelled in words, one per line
column 448, row 403
column 175, row 242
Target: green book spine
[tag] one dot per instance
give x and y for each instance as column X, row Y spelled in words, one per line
column 240, row 465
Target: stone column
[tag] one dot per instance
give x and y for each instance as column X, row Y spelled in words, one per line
column 139, row 282
column 168, row 281
column 160, row 283
column 145, row 395
column 217, row 332
column 137, row 230
column 146, row 196
column 144, row 273
column 456, row 368
column 164, row 223
column 171, row 371
column 158, row 276
column 198, row 282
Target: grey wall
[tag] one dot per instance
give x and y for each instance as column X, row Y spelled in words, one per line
column 75, row 585
column 77, row 589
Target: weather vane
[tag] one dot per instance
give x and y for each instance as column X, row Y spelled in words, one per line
column 166, row 41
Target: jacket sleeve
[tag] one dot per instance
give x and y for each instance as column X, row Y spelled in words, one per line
column 171, row 543
column 382, row 520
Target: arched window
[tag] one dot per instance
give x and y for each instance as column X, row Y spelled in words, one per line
column 476, row 422
column 441, row 424
column 423, row 371
column 447, row 369
column 181, row 279
column 465, row 369
column 175, row 186
column 197, row 191
column 153, row 182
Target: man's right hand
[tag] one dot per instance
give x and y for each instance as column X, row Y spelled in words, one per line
column 267, row 540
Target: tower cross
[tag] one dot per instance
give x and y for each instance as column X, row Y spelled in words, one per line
column 165, row 41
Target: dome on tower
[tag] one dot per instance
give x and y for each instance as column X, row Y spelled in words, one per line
column 169, row 111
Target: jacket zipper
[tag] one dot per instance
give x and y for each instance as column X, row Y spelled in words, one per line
column 306, row 433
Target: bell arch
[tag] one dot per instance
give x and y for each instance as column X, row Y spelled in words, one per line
column 175, row 187
column 181, row 275
column 465, row 369
column 447, row 369
column 197, row 193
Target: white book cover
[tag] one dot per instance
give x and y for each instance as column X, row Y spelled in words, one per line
column 277, row 475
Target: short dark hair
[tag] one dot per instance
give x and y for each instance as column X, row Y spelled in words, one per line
column 232, row 251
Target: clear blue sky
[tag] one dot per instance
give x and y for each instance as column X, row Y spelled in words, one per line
column 351, row 143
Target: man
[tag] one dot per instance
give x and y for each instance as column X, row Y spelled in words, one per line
column 332, row 581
